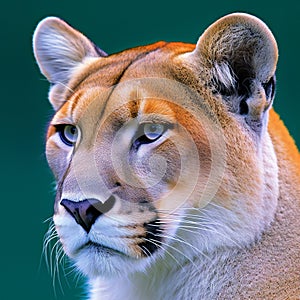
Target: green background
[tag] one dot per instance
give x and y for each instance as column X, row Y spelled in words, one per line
column 26, row 182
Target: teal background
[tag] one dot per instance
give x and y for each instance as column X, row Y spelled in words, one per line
column 26, row 182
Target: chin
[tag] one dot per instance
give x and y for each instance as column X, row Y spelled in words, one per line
column 95, row 260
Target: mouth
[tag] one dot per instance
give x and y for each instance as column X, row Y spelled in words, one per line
column 145, row 247
column 100, row 249
column 128, row 250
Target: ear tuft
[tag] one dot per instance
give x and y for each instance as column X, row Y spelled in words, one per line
column 59, row 49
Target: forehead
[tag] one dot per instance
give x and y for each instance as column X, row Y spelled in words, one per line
column 127, row 100
column 144, row 61
column 117, row 83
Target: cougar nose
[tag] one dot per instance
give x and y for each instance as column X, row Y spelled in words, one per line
column 87, row 211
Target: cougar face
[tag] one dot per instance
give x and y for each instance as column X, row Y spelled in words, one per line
column 161, row 146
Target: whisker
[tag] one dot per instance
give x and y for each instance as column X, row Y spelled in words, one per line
column 55, row 259
column 78, row 276
column 56, row 269
column 165, row 250
column 52, row 270
column 46, row 251
column 61, row 255
column 204, row 226
column 180, row 252
column 48, row 220
column 207, row 229
column 201, row 222
column 145, row 251
column 180, row 240
column 48, row 238
column 64, row 268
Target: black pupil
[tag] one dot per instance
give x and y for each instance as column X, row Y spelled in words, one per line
column 73, row 130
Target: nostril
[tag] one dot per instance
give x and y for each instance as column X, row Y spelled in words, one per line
column 87, row 211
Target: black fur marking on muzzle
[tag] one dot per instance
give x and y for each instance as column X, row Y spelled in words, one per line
column 153, row 238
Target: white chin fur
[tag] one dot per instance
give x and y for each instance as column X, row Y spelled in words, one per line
column 95, row 263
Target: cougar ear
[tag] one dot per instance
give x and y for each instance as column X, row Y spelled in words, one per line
column 241, row 54
column 59, row 49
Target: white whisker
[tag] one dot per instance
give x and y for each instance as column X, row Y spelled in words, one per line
column 180, row 252
column 145, row 251
column 165, row 250
column 180, row 240
column 54, row 256
column 207, row 229
column 48, row 220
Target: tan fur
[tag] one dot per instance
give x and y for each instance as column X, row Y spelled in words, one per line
column 223, row 180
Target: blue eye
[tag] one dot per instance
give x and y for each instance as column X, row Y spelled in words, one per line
column 68, row 134
column 153, row 131
column 148, row 133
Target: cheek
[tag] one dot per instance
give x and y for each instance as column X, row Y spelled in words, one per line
column 57, row 159
column 168, row 161
column 159, row 171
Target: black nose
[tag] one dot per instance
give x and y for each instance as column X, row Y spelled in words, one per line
column 87, row 211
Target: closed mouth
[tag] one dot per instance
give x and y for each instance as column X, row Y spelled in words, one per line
column 101, row 249
column 147, row 244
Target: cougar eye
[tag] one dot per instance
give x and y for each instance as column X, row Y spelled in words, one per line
column 68, row 134
column 149, row 133
column 153, row 131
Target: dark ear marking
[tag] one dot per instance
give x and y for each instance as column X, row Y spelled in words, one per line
column 269, row 88
column 244, row 108
column 241, row 82
column 242, row 89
